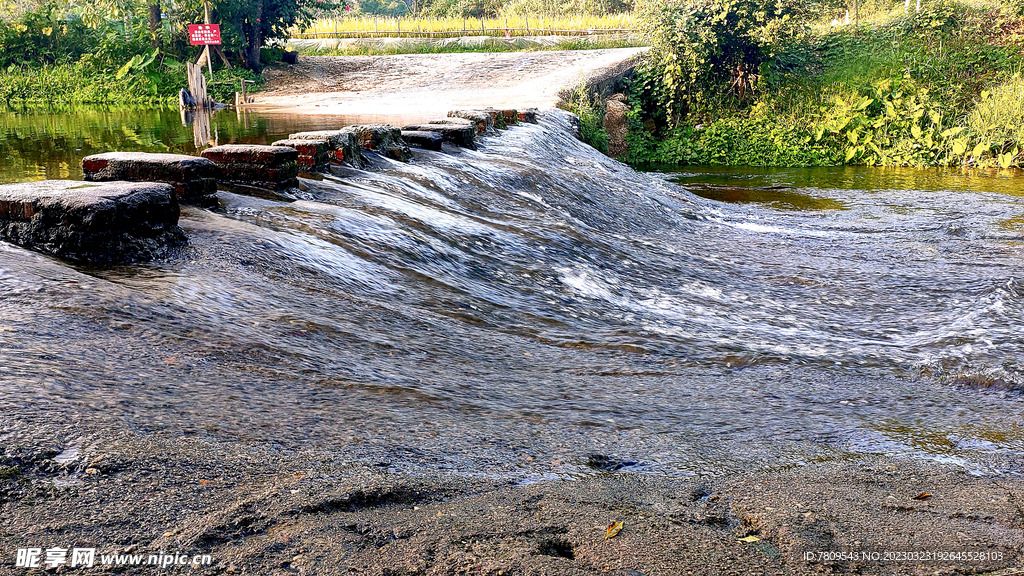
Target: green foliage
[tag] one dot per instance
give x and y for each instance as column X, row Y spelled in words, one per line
column 704, row 47
column 463, row 8
column 81, row 83
column 995, row 128
column 934, row 87
column 736, row 140
column 590, row 111
column 392, row 8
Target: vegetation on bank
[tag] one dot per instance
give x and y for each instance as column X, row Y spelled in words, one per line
column 133, row 51
column 737, row 83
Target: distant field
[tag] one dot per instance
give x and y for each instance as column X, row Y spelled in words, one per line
column 371, row 27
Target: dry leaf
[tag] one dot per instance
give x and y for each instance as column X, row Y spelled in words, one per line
column 750, row 539
column 922, row 496
column 613, row 529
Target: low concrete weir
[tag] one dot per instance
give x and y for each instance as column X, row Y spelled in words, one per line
column 101, row 223
column 133, row 214
column 193, row 178
column 270, row 167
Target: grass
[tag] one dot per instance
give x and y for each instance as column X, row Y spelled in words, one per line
column 516, row 25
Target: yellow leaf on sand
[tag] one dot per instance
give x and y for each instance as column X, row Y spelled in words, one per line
column 613, row 529
column 750, row 539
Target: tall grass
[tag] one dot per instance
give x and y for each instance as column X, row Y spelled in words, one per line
column 515, row 25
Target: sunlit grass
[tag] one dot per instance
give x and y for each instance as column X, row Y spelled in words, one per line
column 511, row 25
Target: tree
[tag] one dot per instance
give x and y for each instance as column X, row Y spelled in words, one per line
column 154, row 22
column 703, row 47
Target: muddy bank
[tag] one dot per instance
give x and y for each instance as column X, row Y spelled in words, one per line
column 431, row 84
column 255, row 510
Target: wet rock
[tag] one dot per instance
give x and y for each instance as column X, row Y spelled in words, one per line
column 483, row 121
column 460, row 135
column 271, row 167
column 529, row 115
column 617, row 126
column 193, row 178
column 343, row 143
column 110, row 222
column 422, row 139
column 383, row 138
column 313, row 153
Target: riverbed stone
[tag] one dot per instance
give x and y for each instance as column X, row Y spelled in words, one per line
column 272, row 167
column 194, row 179
column 423, row 139
column 382, row 138
column 344, row 144
column 90, row 222
column 483, row 121
column 458, row 134
column 313, row 153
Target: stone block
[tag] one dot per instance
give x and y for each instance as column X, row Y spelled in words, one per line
column 272, row 167
column 382, row 138
column 313, row 153
column 422, row 139
column 83, row 221
column 484, row 122
column 344, row 144
column 194, row 179
column 459, row 135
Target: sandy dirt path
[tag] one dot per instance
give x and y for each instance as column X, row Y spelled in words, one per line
column 433, row 83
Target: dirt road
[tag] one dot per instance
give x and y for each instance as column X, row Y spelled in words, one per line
column 433, row 83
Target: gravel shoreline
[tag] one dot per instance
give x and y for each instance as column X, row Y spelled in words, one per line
column 257, row 511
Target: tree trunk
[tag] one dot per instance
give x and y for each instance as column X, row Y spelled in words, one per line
column 254, row 39
column 154, row 23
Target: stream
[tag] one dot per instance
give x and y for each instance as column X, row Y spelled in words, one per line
column 533, row 309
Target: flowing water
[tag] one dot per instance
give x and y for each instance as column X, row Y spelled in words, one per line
column 534, row 308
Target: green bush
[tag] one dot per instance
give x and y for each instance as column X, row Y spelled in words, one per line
column 590, row 111
column 995, row 128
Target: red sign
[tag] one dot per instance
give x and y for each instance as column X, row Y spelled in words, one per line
column 203, row 34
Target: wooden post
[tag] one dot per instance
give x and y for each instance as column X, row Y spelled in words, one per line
column 209, row 20
column 482, row 31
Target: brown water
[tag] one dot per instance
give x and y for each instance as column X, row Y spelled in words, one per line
column 514, row 310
